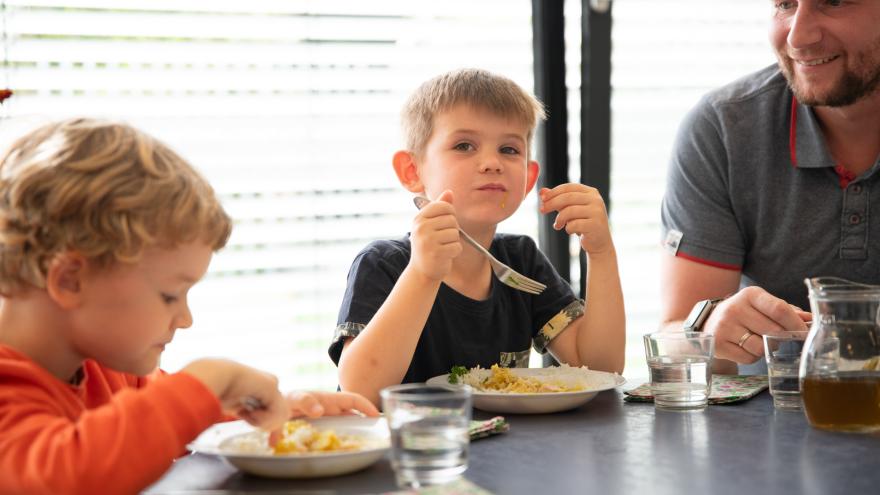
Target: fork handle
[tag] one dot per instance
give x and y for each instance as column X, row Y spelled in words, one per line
column 475, row 244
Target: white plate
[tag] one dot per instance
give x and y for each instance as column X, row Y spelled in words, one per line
column 538, row 403
column 373, row 430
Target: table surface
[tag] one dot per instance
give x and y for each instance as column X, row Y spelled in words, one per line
column 608, row 446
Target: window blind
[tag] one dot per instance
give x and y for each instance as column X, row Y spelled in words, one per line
column 665, row 56
column 290, row 108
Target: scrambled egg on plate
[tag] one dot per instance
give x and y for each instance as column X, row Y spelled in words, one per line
column 300, row 437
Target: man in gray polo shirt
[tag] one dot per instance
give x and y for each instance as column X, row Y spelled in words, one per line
column 773, row 179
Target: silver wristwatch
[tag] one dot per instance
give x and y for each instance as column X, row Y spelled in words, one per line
column 699, row 314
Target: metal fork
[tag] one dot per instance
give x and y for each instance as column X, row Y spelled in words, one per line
column 505, row 274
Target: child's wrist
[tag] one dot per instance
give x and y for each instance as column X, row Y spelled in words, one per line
column 415, row 275
column 607, row 254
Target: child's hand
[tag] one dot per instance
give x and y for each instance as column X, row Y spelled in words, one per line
column 435, row 240
column 314, row 404
column 233, row 382
column 582, row 212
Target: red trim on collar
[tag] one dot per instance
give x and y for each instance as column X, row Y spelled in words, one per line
column 792, row 132
column 844, row 175
column 710, row 263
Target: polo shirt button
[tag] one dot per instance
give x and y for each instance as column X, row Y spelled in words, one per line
column 855, row 219
column 856, row 188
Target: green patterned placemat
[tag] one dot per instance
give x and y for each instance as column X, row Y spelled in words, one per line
column 726, row 389
column 483, row 429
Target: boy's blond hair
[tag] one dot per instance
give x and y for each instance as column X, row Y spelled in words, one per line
column 475, row 87
column 102, row 189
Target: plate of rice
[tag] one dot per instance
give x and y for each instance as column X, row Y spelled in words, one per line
column 315, row 448
column 531, row 390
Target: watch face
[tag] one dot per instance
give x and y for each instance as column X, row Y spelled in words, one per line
column 697, row 316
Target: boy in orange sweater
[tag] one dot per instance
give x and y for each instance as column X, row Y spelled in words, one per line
column 103, row 231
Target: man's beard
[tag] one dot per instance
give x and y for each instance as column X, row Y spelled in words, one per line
column 851, row 87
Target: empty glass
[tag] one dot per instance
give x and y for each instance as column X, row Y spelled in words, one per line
column 429, row 432
column 681, row 368
column 783, row 355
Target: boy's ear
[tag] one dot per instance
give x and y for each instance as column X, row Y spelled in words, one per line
column 407, row 172
column 532, row 173
column 64, row 279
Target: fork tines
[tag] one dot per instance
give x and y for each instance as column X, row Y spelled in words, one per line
column 523, row 283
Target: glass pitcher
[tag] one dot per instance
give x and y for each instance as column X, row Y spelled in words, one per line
column 840, row 364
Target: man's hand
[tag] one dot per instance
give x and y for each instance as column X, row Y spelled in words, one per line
column 739, row 321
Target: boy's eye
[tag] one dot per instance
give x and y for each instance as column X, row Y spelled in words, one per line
column 463, row 147
column 784, row 5
column 169, row 299
column 509, row 150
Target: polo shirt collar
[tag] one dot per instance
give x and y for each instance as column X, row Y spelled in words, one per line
column 806, row 141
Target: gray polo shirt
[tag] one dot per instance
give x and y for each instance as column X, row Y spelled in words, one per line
column 753, row 188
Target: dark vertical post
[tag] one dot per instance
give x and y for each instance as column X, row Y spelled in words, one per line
column 548, row 25
column 595, row 103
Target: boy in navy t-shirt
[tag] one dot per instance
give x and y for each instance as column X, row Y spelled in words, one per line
column 415, row 307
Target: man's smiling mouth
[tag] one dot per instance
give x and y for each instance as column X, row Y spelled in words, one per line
column 817, row 61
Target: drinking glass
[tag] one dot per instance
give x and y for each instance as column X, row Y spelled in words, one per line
column 429, row 432
column 783, row 355
column 681, row 368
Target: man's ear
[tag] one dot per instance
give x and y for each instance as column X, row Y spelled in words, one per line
column 404, row 164
column 64, row 279
column 532, row 173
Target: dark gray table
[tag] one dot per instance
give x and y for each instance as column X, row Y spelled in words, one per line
column 610, row 447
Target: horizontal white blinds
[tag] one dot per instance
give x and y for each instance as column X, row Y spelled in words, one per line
column 290, row 109
column 665, row 56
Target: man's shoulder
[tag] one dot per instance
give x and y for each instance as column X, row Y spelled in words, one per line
column 759, row 87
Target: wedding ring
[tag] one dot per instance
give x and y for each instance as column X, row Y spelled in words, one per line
column 744, row 338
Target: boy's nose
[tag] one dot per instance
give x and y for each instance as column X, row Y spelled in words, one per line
column 184, row 319
column 490, row 164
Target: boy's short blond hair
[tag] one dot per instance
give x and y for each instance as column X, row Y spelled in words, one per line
column 475, row 87
column 102, row 189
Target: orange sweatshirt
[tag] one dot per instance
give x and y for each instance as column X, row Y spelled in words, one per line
column 112, row 433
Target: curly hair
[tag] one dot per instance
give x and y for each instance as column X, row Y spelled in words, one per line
column 102, row 189
column 475, row 87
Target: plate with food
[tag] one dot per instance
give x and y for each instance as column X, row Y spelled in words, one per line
column 313, row 448
column 531, row 390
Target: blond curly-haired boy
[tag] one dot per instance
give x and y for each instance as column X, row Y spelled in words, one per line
column 103, row 231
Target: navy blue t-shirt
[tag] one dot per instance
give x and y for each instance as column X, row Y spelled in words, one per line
column 461, row 331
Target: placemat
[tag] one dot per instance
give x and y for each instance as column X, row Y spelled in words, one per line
column 492, row 426
column 726, row 389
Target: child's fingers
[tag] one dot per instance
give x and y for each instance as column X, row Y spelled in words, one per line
column 572, row 213
column 272, row 416
column 569, row 187
column 445, row 196
column 437, row 209
column 345, row 401
column 580, row 227
column 587, row 196
column 274, row 436
column 304, row 404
